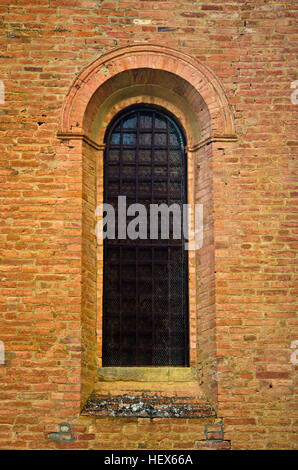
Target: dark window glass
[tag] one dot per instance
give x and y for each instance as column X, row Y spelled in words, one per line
column 145, row 299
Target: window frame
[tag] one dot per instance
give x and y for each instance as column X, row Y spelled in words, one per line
column 135, row 108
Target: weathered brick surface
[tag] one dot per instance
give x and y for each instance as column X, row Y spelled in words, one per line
column 245, row 290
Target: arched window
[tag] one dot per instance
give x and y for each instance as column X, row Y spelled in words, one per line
column 145, row 291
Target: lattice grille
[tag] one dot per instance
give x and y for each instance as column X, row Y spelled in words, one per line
column 145, row 319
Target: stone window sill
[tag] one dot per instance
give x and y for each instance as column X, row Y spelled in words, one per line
column 146, row 374
column 147, row 392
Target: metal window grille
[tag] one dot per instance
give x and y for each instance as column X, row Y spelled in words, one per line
column 145, row 292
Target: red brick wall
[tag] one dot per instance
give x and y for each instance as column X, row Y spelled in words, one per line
column 46, row 318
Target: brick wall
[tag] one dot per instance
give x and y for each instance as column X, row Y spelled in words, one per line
column 245, row 275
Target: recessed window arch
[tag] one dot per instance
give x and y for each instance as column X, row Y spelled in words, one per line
column 145, row 282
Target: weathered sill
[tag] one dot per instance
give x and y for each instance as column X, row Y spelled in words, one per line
column 147, row 406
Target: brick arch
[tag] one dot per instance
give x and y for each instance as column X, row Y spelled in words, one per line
column 178, row 83
column 200, row 77
column 147, row 86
